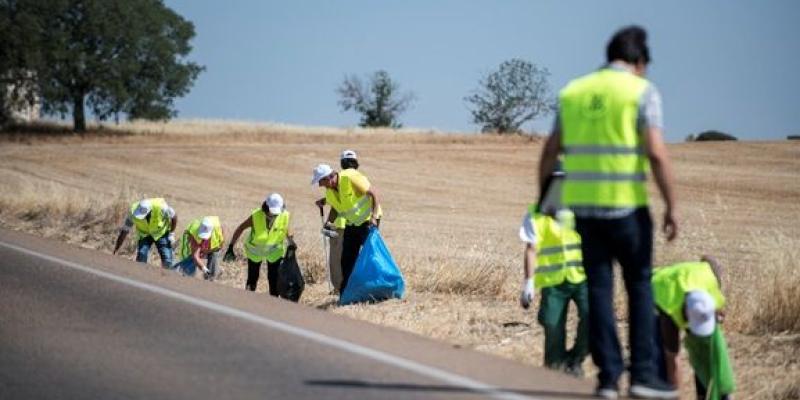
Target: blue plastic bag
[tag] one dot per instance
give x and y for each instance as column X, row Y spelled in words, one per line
column 375, row 276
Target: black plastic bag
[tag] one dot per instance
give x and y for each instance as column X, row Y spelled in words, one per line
column 290, row 279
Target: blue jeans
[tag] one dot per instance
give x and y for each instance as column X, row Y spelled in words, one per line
column 628, row 240
column 163, row 246
column 187, row 266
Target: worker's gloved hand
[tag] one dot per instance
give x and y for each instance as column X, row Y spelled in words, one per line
column 320, row 203
column 206, row 272
column 171, row 238
column 229, row 256
column 526, row 297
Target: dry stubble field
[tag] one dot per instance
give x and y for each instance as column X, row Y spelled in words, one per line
column 453, row 204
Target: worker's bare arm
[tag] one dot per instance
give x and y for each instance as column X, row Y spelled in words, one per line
column 656, row 152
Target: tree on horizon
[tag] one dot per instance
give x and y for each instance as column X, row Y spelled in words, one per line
column 113, row 56
column 515, row 93
column 379, row 101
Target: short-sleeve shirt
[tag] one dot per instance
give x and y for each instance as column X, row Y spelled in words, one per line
column 527, row 231
column 167, row 212
column 360, row 184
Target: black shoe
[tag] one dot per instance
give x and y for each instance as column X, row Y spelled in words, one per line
column 655, row 389
column 574, row 369
column 607, row 392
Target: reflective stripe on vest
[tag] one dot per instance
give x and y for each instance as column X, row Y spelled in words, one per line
column 267, row 244
column 355, row 210
column 558, row 252
column 671, row 283
column 157, row 226
column 215, row 241
column 604, row 159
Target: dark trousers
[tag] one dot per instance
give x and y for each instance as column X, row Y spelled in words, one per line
column 628, row 240
column 162, row 245
column 553, row 318
column 254, row 270
column 354, row 238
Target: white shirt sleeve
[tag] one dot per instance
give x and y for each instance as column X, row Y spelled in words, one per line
column 168, row 212
column 527, row 232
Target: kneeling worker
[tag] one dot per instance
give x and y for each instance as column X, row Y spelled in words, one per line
column 553, row 251
column 155, row 222
column 688, row 297
column 351, row 197
column 269, row 232
column 203, row 238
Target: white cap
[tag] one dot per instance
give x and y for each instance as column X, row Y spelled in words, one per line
column 205, row 229
column 275, row 203
column 349, row 154
column 321, row 171
column 700, row 312
column 142, row 209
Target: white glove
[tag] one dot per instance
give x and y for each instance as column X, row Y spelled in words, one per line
column 171, row 238
column 206, row 271
column 526, row 297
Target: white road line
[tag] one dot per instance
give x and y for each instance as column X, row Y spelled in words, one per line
column 399, row 362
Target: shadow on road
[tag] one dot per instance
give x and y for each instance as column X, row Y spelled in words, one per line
column 356, row 384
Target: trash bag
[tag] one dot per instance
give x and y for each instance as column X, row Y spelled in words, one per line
column 375, row 277
column 290, row 279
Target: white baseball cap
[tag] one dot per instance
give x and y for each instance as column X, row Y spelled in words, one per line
column 321, row 171
column 275, row 203
column 142, row 209
column 349, row 154
column 700, row 312
column 206, row 227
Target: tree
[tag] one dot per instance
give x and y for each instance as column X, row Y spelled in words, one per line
column 713, row 136
column 114, row 56
column 516, row 93
column 380, row 102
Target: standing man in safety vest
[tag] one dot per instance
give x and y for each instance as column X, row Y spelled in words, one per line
column 609, row 129
column 553, row 252
column 689, row 298
column 155, row 222
column 203, row 238
column 269, row 233
column 351, row 197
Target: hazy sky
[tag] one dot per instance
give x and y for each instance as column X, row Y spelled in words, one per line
column 727, row 65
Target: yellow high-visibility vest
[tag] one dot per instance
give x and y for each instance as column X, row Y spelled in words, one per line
column 267, row 244
column 157, row 226
column 215, row 241
column 604, row 156
column 671, row 283
column 558, row 252
column 353, row 209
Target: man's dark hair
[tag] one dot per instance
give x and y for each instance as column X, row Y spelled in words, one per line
column 348, row 163
column 629, row 44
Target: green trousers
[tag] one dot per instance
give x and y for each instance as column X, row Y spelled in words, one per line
column 553, row 318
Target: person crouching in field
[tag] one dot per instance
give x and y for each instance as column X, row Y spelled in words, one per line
column 155, row 222
column 269, row 234
column 203, row 238
column 350, row 196
column 553, row 252
column 689, row 298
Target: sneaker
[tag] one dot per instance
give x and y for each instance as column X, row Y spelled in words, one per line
column 607, row 392
column 574, row 369
column 656, row 389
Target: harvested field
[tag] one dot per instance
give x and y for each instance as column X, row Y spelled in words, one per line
column 452, row 203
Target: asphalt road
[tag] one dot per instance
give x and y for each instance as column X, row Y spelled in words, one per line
column 81, row 324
